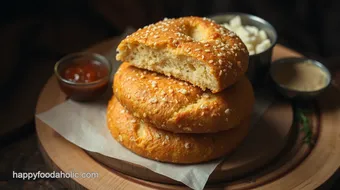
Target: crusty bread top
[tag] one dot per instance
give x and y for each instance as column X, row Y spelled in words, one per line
column 147, row 141
column 200, row 38
column 177, row 106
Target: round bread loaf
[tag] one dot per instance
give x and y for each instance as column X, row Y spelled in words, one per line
column 145, row 140
column 179, row 107
column 193, row 49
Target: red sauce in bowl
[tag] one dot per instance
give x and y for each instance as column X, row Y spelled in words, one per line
column 84, row 78
column 85, row 72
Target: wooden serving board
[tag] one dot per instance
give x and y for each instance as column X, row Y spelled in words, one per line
column 294, row 167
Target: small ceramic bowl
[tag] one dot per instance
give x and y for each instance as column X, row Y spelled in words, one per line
column 259, row 64
column 83, row 76
column 299, row 94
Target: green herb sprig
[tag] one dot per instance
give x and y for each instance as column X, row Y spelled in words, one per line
column 305, row 126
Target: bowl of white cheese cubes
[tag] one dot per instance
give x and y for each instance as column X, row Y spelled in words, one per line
column 258, row 35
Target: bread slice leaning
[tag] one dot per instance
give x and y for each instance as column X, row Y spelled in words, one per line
column 192, row 49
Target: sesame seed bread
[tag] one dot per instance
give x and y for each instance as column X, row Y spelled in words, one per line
column 192, row 49
column 147, row 141
column 178, row 106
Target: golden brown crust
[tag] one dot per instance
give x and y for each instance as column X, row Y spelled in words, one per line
column 147, row 141
column 179, row 107
column 222, row 50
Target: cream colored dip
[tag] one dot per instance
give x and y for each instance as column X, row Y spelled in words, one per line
column 303, row 76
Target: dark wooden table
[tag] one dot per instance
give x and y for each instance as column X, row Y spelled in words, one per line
column 23, row 155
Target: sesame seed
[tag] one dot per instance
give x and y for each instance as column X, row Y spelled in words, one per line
column 211, row 61
column 166, row 137
column 153, row 84
column 153, row 100
column 186, row 145
column 128, row 96
column 227, row 111
column 133, row 121
column 205, row 95
column 183, row 91
column 202, row 56
column 207, row 50
column 220, row 74
column 187, row 129
column 120, row 138
column 123, row 111
column 203, row 106
column 206, row 45
column 144, row 114
column 197, row 49
column 157, row 136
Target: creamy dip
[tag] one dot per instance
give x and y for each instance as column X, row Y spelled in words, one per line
column 303, row 76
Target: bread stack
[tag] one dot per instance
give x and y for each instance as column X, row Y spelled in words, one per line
column 180, row 95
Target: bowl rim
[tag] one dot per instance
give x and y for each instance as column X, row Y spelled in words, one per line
column 95, row 56
column 255, row 18
column 299, row 60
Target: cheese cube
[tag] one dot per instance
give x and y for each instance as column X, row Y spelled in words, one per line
column 251, row 52
column 235, row 22
column 252, row 29
column 262, row 35
column 226, row 25
column 240, row 31
column 250, row 47
column 262, row 46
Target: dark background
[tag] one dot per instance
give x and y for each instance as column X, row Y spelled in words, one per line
column 34, row 34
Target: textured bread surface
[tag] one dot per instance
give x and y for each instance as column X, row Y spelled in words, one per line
column 147, row 141
column 180, row 107
column 193, row 49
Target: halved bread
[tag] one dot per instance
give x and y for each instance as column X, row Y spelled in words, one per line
column 192, row 49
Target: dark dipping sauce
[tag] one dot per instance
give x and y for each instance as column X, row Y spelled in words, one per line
column 83, row 79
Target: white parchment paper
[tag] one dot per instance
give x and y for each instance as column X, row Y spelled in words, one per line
column 84, row 124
